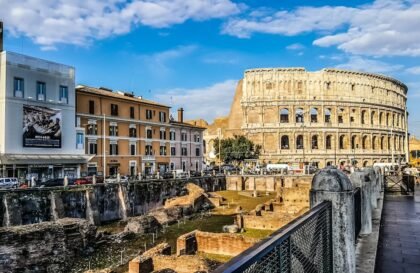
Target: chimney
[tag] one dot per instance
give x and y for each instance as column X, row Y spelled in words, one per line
column 1, row 36
column 181, row 115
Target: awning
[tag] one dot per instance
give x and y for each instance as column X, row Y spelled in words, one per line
column 44, row 159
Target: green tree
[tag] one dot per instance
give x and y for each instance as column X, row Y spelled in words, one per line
column 237, row 149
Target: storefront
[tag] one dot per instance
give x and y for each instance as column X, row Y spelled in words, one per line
column 41, row 167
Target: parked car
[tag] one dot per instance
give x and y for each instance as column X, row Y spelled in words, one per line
column 8, row 182
column 167, row 175
column 195, row 174
column 82, row 181
column 56, row 182
column 99, row 179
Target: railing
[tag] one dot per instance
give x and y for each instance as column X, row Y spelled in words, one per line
column 399, row 183
column 357, row 212
column 304, row 245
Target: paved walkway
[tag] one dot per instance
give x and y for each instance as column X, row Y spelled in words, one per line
column 399, row 241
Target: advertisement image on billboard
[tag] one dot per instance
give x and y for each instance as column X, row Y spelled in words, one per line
column 41, row 127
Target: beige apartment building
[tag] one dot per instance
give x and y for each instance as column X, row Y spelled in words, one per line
column 130, row 135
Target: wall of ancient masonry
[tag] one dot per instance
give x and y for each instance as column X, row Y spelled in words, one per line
column 327, row 114
column 96, row 203
column 46, row 247
column 325, row 117
column 213, row 243
column 265, row 183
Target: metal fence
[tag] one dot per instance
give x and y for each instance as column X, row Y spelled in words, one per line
column 304, row 245
column 357, row 212
column 399, row 183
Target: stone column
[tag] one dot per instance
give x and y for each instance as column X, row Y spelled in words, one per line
column 360, row 179
column 331, row 184
column 370, row 172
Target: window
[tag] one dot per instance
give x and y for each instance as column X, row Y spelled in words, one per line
column 148, row 150
column 162, row 150
column 173, row 151
column 91, row 107
column 363, row 119
column 284, row 115
column 92, row 129
column 314, row 142
column 372, row 117
column 113, row 130
column 314, row 115
column 41, row 91
column 131, row 112
column 284, row 142
column 64, row 94
column 354, row 142
column 374, row 143
column 341, row 142
column 132, row 149
column 132, row 132
column 149, row 133
column 299, row 142
column 328, row 142
column 183, row 136
column 114, row 109
column 148, row 114
column 299, row 115
column 19, row 87
column 162, row 134
column 172, row 135
column 93, row 148
column 162, row 116
column 364, row 142
column 184, row 151
column 113, row 149
column 79, row 140
column 196, row 138
column 327, row 115
column 197, row 151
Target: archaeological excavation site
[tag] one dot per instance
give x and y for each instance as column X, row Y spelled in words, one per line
column 176, row 225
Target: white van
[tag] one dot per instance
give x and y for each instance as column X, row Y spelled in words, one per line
column 8, row 182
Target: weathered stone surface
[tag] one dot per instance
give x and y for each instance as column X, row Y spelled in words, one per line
column 142, row 224
column 45, row 247
column 98, row 203
column 333, row 185
column 231, row 228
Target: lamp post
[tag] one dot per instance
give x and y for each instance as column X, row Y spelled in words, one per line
column 219, row 131
column 103, row 147
column 392, row 147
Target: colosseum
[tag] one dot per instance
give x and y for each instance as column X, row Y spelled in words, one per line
column 326, row 117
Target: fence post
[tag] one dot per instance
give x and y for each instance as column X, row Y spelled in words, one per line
column 333, row 185
column 360, row 179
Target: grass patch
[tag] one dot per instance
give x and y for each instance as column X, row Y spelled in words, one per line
column 257, row 233
column 234, row 199
column 216, row 257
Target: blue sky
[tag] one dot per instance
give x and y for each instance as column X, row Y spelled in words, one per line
column 191, row 53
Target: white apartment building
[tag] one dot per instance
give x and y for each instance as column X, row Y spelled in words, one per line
column 38, row 135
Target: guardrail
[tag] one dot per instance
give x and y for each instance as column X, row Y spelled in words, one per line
column 304, row 245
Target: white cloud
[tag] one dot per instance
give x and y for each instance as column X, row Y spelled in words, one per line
column 413, row 70
column 383, row 28
column 368, row 65
column 207, row 102
column 296, row 46
column 79, row 22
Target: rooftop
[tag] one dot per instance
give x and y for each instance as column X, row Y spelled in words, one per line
column 37, row 64
column 101, row 91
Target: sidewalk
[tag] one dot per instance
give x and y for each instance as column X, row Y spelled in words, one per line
column 399, row 241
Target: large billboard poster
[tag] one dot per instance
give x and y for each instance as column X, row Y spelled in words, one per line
column 41, row 127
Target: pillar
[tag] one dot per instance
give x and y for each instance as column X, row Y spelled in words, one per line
column 370, row 172
column 361, row 180
column 331, row 184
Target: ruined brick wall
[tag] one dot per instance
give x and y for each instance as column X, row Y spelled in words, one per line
column 265, row 182
column 266, row 221
column 180, row 264
column 222, row 243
